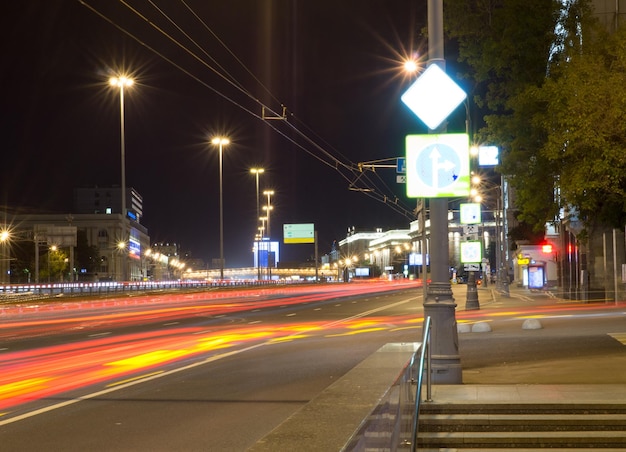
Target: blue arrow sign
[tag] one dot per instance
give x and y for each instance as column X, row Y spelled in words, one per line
column 437, row 165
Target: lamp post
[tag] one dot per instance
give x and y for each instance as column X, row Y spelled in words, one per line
column 439, row 303
column 256, row 172
column 122, row 82
column 121, row 248
column 268, row 208
column 51, row 249
column 221, row 142
column 5, row 258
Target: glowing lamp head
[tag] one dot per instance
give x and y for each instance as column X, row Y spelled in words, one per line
column 121, row 81
column 220, row 140
column 410, row 66
column 546, row 248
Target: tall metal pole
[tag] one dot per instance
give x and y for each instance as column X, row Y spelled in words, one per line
column 122, row 82
column 220, row 142
column 440, row 305
column 256, row 172
column 269, row 193
column 503, row 271
column 221, row 219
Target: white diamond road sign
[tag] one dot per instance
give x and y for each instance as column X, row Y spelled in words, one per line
column 433, row 96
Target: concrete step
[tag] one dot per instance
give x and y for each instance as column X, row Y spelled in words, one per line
column 523, row 427
column 520, row 449
column 522, row 422
column 543, row 439
column 524, row 408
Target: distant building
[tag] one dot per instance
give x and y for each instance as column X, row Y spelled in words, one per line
column 121, row 241
column 108, row 200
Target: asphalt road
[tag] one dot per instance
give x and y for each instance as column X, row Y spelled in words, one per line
column 199, row 373
column 266, row 361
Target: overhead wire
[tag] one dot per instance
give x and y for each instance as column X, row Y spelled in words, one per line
column 347, row 169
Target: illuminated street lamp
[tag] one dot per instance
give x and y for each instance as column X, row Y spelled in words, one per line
column 256, row 172
column 267, row 208
column 53, row 248
column 122, row 82
column 5, row 259
column 221, row 142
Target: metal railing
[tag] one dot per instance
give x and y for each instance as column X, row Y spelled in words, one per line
column 424, row 356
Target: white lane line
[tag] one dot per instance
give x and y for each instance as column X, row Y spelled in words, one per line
column 100, row 334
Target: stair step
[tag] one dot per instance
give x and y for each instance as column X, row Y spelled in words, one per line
column 521, row 422
column 520, row 449
column 524, row 408
column 570, row 439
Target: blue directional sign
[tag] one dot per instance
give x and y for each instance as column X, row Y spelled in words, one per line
column 437, row 165
column 401, row 165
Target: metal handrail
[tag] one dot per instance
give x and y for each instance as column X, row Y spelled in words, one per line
column 424, row 355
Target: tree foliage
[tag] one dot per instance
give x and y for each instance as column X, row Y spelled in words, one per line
column 585, row 125
column 553, row 83
column 87, row 257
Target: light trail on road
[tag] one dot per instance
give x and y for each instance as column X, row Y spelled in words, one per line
column 106, row 358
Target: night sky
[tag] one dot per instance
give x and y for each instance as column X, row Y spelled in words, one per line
column 335, row 65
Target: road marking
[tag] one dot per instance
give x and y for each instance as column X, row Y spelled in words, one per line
column 138, row 377
column 620, row 337
column 99, row 334
column 171, row 323
column 291, row 315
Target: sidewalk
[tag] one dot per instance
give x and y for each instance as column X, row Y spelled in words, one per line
column 572, row 378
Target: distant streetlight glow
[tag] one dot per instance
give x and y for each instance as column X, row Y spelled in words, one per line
column 221, row 142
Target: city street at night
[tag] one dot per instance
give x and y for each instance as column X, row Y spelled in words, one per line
column 221, row 370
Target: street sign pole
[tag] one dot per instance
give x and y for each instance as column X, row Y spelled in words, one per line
column 439, row 304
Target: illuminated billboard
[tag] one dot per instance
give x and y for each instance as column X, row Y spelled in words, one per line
column 299, row 233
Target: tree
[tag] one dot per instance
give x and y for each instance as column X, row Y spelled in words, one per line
column 585, row 127
column 87, row 257
column 506, row 45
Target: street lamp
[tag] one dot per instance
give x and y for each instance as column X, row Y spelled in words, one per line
column 121, row 247
column 221, row 142
column 5, row 258
column 122, row 82
column 267, row 208
column 51, row 249
column 256, row 172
